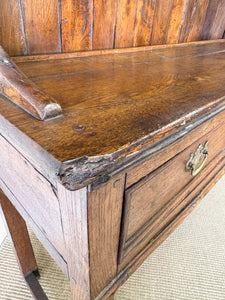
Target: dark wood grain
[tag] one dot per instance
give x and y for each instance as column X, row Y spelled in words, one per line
column 144, row 22
column 161, row 23
column 125, row 22
column 209, row 18
column 23, row 92
column 104, row 24
column 53, row 26
column 12, row 36
column 176, row 21
column 17, row 232
column 218, row 25
column 104, row 215
column 76, row 25
column 42, row 28
column 148, row 106
column 193, row 20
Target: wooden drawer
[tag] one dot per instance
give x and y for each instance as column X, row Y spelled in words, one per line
column 150, row 203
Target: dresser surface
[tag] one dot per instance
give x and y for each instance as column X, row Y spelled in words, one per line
column 106, row 182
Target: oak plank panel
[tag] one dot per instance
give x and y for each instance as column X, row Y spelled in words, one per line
column 12, row 36
column 209, row 19
column 104, row 215
column 144, row 22
column 104, row 24
column 161, row 22
column 36, row 230
column 77, row 25
column 125, row 22
column 33, row 192
column 194, row 20
column 42, row 26
column 218, row 25
column 176, row 21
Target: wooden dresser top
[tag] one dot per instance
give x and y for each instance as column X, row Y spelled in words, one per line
column 116, row 104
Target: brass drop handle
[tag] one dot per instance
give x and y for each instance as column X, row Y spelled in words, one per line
column 196, row 157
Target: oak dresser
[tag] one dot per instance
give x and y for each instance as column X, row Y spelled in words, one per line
column 104, row 153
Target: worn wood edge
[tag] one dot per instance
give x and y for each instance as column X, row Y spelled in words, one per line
column 20, row 59
column 124, row 274
column 75, row 174
column 60, row 261
column 78, row 173
column 23, row 92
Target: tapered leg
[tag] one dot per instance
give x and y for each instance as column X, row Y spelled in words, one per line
column 17, row 232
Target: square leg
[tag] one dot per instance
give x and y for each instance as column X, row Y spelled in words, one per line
column 17, row 232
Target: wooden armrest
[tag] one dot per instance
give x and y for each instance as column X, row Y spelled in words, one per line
column 23, row 92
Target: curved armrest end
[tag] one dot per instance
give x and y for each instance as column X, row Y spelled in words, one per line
column 23, row 92
column 51, row 110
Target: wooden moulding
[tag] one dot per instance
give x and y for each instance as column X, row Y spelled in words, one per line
column 23, row 92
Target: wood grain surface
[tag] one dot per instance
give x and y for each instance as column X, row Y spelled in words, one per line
column 40, row 26
column 33, row 192
column 76, row 25
column 12, row 36
column 144, row 21
column 104, row 24
column 177, row 85
column 125, row 16
column 74, row 221
column 104, row 214
column 193, row 20
column 161, row 23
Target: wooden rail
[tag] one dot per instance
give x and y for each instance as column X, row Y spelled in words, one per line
column 23, row 92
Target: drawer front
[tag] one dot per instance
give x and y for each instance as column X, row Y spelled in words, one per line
column 149, row 204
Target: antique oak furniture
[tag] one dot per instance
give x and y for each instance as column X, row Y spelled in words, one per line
column 104, row 153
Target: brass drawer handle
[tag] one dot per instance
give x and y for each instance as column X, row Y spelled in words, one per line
column 196, row 158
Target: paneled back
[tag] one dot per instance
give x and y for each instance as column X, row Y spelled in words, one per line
column 51, row 26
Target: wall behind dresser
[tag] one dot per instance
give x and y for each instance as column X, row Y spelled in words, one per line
column 51, row 26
